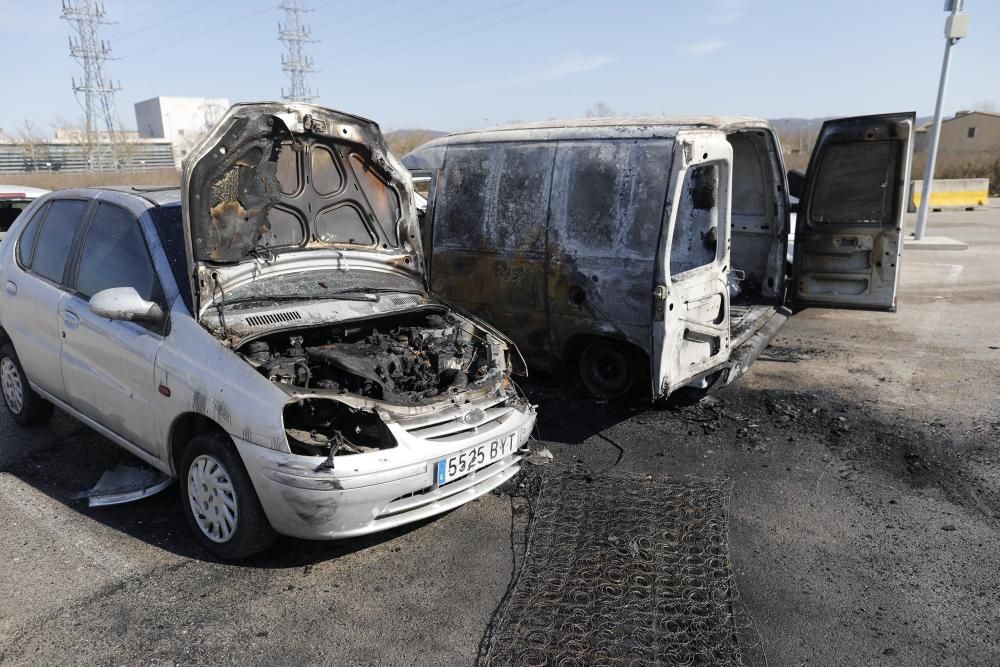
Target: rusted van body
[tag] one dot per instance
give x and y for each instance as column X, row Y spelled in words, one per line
column 655, row 248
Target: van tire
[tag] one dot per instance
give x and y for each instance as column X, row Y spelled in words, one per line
column 23, row 403
column 608, row 369
column 252, row 532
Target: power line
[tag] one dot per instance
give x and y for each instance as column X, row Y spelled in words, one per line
column 366, row 10
column 422, row 8
column 230, row 22
column 294, row 33
column 215, row 28
column 160, row 5
column 437, row 28
column 392, row 18
column 157, row 24
column 445, row 38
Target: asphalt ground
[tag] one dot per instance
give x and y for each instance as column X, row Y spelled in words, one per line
column 864, row 455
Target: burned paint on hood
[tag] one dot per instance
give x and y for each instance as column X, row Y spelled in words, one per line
column 274, row 177
column 278, row 178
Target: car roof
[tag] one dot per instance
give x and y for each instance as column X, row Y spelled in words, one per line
column 159, row 195
column 146, row 196
column 597, row 128
column 20, row 192
column 430, row 155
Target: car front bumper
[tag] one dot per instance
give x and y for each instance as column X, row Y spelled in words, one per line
column 366, row 493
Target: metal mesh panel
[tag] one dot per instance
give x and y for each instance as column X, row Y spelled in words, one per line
column 621, row 569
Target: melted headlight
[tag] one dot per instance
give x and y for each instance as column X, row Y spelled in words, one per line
column 324, row 427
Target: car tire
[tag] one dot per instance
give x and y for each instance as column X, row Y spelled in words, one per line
column 23, row 403
column 219, row 499
column 608, row 369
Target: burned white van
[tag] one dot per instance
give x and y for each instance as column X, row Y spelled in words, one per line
column 655, row 248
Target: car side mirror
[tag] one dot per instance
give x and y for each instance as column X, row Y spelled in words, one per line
column 796, row 183
column 125, row 304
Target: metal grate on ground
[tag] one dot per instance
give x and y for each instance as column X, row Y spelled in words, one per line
column 621, row 569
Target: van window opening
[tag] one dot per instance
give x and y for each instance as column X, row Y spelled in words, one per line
column 696, row 230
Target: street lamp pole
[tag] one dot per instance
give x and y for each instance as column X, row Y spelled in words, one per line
column 955, row 28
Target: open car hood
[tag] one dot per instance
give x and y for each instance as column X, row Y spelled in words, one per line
column 276, row 185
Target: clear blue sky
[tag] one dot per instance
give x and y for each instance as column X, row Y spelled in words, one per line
column 449, row 64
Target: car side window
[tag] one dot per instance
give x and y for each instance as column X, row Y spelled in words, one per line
column 26, row 244
column 55, row 238
column 115, row 255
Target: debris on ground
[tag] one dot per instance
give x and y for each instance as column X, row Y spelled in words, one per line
column 126, row 483
column 540, row 457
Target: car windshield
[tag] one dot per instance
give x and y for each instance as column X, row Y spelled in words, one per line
column 170, row 228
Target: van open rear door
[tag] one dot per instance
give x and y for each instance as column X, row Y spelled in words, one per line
column 848, row 236
column 691, row 293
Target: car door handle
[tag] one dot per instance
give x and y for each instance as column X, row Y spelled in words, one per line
column 11, row 287
column 71, row 319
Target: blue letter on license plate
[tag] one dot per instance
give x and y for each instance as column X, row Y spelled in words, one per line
column 442, row 467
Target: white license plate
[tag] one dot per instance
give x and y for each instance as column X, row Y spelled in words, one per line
column 473, row 458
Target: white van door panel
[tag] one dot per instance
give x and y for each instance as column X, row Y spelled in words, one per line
column 691, row 297
column 848, row 236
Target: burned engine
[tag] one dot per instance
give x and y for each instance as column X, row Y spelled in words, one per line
column 410, row 359
column 404, row 359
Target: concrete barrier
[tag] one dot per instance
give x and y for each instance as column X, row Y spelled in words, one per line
column 953, row 194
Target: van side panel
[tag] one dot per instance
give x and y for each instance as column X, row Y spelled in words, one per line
column 605, row 215
column 490, row 237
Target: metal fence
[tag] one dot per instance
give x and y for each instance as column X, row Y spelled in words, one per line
column 139, row 155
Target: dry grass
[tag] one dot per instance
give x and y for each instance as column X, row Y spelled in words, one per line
column 401, row 142
column 58, row 180
column 950, row 165
column 796, row 161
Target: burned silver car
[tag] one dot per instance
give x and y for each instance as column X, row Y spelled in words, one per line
column 265, row 334
column 650, row 252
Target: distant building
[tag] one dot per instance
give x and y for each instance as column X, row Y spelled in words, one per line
column 181, row 120
column 921, row 134
column 966, row 132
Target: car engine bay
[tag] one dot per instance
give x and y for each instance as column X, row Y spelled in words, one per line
column 416, row 358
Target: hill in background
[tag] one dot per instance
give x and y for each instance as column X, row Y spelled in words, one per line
column 402, row 142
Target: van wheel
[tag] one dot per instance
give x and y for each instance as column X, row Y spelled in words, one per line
column 219, row 500
column 607, row 369
column 23, row 403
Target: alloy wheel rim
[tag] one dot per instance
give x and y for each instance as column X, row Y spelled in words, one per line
column 13, row 392
column 213, row 498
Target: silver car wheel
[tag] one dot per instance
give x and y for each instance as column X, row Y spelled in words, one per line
column 213, row 498
column 13, row 392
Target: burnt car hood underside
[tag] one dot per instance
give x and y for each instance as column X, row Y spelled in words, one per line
column 279, row 183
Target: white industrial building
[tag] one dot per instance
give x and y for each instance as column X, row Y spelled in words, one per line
column 181, row 120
